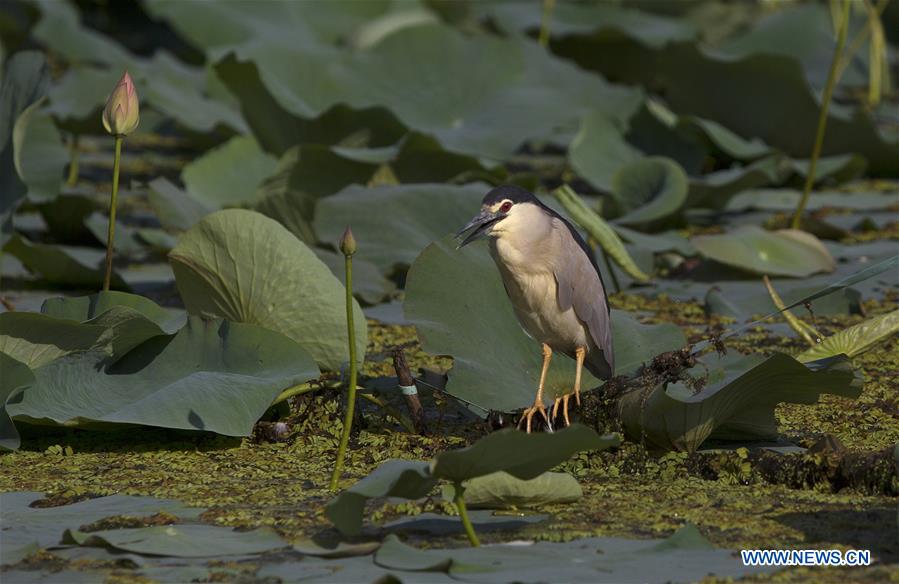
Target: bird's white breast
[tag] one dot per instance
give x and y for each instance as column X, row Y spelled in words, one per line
column 525, row 262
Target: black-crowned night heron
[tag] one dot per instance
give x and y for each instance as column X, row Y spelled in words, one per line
column 553, row 282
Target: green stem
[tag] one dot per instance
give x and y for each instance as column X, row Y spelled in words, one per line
column 545, row 21
column 74, row 155
column 302, row 388
column 459, row 501
column 822, row 117
column 110, row 235
column 351, row 397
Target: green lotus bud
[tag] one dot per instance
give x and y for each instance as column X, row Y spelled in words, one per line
column 348, row 243
column 122, row 112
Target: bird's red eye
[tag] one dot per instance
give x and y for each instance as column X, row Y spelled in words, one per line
column 505, row 207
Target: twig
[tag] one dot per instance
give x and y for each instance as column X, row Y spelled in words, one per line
column 804, row 330
column 410, row 392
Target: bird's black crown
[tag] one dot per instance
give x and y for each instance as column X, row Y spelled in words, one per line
column 513, row 193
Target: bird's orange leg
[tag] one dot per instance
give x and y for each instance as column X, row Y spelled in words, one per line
column 528, row 414
column 580, row 354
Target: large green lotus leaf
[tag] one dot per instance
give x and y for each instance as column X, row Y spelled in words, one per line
column 39, row 155
column 65, row 217
column 305, row 174
column 521, row 455
column 214, row 375
column 38, row 339
column 719, row 87
column 64, row 264
column 479, row 87
column 309, row 24
column 685, row 556
column 82, row 308
column 59, row 29
column 309, row 172
column 787, row 199
column 175, row 209
column 457, row 302
column 736, row 402
column 605, row 147
column 653, row 188
column 246, row 267
column 584, row 18
column 77, row 98
column 228, row 176
column 855, row 339
column 409, row 479
column 278, row 129
column 787, row 252
column 500, row 490
column 179, row 91
column 742, row 300
column 181, row 541
column 804, row 32
column 394, row 223
column 44, row 526
column 130, row 319
column 169, row 86
column 724, row 141
column 24, row 81
column 16, row 377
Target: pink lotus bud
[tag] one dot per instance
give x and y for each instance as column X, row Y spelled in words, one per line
column 122, row 112
column 348, row 243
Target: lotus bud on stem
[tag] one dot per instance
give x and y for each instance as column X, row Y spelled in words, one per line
column 348, row 248
column 120, row 117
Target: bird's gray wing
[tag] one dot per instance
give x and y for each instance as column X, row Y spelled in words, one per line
column 580, row 287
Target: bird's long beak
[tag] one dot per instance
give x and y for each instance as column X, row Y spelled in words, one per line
column 480, row 225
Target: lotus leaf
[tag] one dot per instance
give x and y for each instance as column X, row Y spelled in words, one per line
column 786, row 252
column 211, row 375
column 735, row 399
column 246, row 267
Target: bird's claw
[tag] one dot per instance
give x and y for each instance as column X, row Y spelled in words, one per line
column 528, row 415
column 564, row 401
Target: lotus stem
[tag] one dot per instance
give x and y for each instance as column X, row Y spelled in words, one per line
column 459, row 501
column 110, row 235
column 74, row 155
column 822, row 116
column 301, row 389
column 804, row 330
column 874, row 12
column 351, row 394
column 545, row 21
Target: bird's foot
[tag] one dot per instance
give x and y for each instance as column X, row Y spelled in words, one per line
column 528, row 415
column 564, row 401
